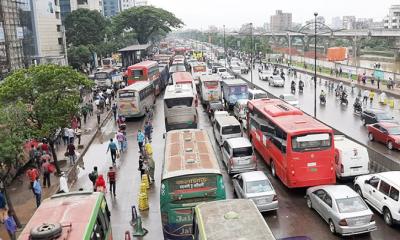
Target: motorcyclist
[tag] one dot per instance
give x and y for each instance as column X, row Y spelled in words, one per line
column 343, row 96
column 293, row 86
column 357, row 104
column 322, row 96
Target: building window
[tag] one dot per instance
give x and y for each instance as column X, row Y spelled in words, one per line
column 60, row 41
column 81, row 2
column 58, row 28
column 58, row 15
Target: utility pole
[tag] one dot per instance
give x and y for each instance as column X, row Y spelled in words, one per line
column 251, row 54
column 226, row 57
column 315, row 64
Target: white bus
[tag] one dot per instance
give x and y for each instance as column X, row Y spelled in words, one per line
column 133, row 100
column 105, row 77
column 180, row 107
column 210, row 88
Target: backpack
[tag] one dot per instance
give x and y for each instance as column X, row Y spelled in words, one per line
column 92, row 176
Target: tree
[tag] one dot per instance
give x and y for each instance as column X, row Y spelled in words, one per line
column 51, row 95
column 84, row 27
column 145, row 21
column 79, row 56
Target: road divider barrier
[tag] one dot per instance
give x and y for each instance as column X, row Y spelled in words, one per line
column 143, row 203
column 391, row 103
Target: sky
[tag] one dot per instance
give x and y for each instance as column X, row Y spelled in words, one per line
column 200, row 14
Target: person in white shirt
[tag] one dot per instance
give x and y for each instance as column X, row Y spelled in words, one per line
column 71, row 135
column 365, row 96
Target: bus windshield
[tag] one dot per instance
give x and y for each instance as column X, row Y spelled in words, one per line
column 311, row 142
column 101, row 75
column 137, row 73
column 173, row 102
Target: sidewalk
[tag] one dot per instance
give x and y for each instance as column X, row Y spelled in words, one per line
column 19, row 192
column 395, row 92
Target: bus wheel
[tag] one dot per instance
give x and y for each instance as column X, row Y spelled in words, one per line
column 273, row 171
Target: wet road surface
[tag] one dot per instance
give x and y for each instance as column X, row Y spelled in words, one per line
column 293, row 218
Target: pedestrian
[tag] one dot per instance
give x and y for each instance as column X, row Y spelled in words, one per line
column 112, row 147
column 32, row 154
column 121, row 140
column 93, row 176
column 37, row 191
column 3, row 208
column 365, row 96
column 45, row 146
column 78, row 133
column 148, row 128
column 65, row 136
column 140, row 139
column 100, row 184
column 84, row 112
column 33, row 175
column 111, row 176
column 142, row 167
column 90, row 107
column 71, row 135
column 151, row 167
column 98, row 114
column 378, row 82
column 79, row 120
column 46, row 170
column 71, row 153
column 114, row 110
column 11, row 225
column 63, row 184
column 371, row 97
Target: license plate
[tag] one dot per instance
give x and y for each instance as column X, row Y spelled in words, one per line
column 311, row 164
column 262, row 201
column 313, row 169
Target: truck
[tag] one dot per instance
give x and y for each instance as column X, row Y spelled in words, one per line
column 233, row 90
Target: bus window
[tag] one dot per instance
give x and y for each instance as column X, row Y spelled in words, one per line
column 137, row 73
column 179, row 102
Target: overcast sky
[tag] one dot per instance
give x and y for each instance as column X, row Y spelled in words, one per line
column 233, row 13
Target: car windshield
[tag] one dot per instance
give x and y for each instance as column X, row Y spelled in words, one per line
column 277, row 78
column 258, row 186
column 384, row 116
column 349, row 205
column 394, row 130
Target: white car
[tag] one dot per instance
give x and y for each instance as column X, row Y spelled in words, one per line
column 381, row 191
column 264, row 75
column 290, row 98
column 276, row 81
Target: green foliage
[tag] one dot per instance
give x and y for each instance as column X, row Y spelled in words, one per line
column 84, row 27
column 50, row 93
column 79, row 56
column 146, row 21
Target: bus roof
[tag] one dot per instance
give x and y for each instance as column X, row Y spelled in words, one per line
column 73, row 208
column 210, row 78
column 178, row 91
column 144, row 64
column 289, row 118
column 182, row 77
column 188, row 152
column 233, row 219
column 106, row 70
column 137, row 86
column 234, row 82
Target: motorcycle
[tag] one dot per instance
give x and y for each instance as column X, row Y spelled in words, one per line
column 301, row 86
column 293, row 89
column 343, row 99
column 357, row 107
column 322, row 99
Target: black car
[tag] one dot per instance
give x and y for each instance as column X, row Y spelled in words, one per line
column 371, row 116
column 214, row 106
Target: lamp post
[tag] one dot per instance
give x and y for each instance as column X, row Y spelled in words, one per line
column 226, row 58
column 251, row 53
column 290, row 49
column 315, row 64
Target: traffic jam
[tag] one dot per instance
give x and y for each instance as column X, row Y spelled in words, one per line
column 251, row 130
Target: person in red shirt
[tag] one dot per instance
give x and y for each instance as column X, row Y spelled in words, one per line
column 33, row 175
column 46, row 169
column 111, row 176
column 100, row 184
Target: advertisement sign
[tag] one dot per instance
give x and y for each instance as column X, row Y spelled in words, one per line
column 2, row 38
column 20, row 33
column 189, row 184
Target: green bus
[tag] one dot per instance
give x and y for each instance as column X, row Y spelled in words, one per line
column 190, row 176
column 230, row 219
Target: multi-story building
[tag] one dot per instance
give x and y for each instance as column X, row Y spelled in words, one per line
column 281, row 21
column 392, row 20
column 336, row 23
column 125, row 4
column 111, row 7
column 348, row 22
column 11, row 37
column 67, row 6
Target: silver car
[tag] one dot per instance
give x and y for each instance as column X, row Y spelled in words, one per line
column 256, row 186
column 276, row 81
column 342, row 208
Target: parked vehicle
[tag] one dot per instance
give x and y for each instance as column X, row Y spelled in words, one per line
column 264, row 75
column 240, row 109
column 234, row 90
column 385, row 132
column 225, row 128
column 217, row 114
column 257, row 94
column 381, row 191
column 342, row 208
column 256, row 186
column 290, row 98
column 210, row 88
column 371, row 116
column 276, row 81
column 351, row 158
column 133, row 100
column 214, row 106
column 238, row 155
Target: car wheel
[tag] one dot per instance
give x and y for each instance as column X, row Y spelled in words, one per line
column 371, row 137
column 390, row 145
column 358, row 190
column 363, row 121
column 273, row 171
column 309, row 203
column 332, row 227
column 387, row 216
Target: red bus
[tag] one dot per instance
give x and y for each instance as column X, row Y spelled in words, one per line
column 299, row 149
column 145, row 71
column 180, row 51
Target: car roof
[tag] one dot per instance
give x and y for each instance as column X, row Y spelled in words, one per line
column 393, row 176
column 253, row 176
column 227, row 121
column 339, row 191
column 238, row 142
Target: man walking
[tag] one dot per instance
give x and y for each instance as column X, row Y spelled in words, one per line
column 140, row 139
column 111, row 176
column 71, row 153
column 93, row 176
column 98, row 114
column 33, row 175
column 112, row 147
column 37, row 190
column 147, row 130
column 46, row 169
column 114, row 110
column 84, row 113
column 11, row 226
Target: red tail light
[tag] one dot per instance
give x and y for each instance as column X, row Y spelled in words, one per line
column 343, row 222
column 372, row 218
column 275, row 198
column 341, row 168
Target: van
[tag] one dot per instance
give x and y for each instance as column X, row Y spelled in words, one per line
column 225, row 128
column 351, row 158
column 257, row 94
column 238, row 155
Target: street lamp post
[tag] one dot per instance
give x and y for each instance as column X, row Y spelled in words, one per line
column 315, row 64
column 251, row 53
column 226, row 58
column 290, row 49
